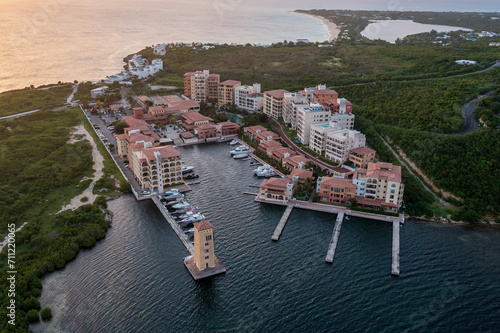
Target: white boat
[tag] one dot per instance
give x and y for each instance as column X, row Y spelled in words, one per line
column 172, row 197
column 172, row 191
column 194, row 218
column 188, row 214
column 239, row 150
column 262, row 168
column 243, row 155
column 181, row 205
column 189, row 231
column 186, row 169
column 234, row 142
column 266, row 173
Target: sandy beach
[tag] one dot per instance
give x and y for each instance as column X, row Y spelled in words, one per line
column 333, row 30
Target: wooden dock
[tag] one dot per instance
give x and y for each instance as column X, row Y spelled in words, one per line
column 395, row 248
column 174, row 225
column 335, row 238
column 281, row 224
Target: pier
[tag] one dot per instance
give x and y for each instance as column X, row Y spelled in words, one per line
column 395, row 248
column 335, row 238
column 174, row 225
column 281, row 224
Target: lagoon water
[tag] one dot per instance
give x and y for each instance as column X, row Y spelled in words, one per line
column 46, row 41
column 390, row 30
column 135, row 281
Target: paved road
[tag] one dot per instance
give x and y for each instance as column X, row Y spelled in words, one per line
column 468, row 113
column 19, row 114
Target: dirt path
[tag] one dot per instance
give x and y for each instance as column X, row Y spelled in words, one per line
column 410, row 166
column 6, row 240
column 79, row 134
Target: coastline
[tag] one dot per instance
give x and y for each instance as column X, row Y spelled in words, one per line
column 333, row 29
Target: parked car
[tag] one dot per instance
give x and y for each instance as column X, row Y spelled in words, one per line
column 145, row 192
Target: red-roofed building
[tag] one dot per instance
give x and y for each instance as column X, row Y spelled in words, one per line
column 268, row 147
column 301, row 175
column 273, row 103
column 206, row 131
column 361, row 156
column 226, row 91
column 115, row 107
column 323, row 95
column 191, row 120
column 295, row 162
column 336, row 190
column 380, row 181
column 228, row 128
column 281, row 153
column 276, row 189
column 251, row 131
column 201, row 85
column 266, row 136
column 188, row 137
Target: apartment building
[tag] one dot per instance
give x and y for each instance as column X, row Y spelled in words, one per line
column 340, row 143
column 248, row 97
column 266, row 136
column 361, row 156
column 227, row 128
column 318, row 135
column 268, row 147
column 306, row 116
column 276, row 189
column 335, row 190
column 321, row 96
column 201, row 85
column 227, row 91
column 291, row 102
column 381, row 183
column 206, row 131
column 300, row 176
column 273, row 103
column 295, row 162
column 281, row 153
column 191, row 120
column 155, row 168
column 251, row 131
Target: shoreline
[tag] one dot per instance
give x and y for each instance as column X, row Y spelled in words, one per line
column 333, row 29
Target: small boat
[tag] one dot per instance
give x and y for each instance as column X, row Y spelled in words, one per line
column 243, row 155
column 187, row 214
column 262, row 168
column 193, row 218
column 189, row 231
column 234, row 142
column 174, row 197
column 172, row 191
column 185, row 210
column 180, row 205
column 239, row 150
column 223, row 139
column 191, row 176
column 266, row 173
column 186, row 169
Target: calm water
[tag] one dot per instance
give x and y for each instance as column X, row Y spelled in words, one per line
column 135, row 281
column 45, row 41
column 390, row 30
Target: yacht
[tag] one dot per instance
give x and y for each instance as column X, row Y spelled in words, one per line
column 241, row 155
column 174, row 197
column 185, row 210
column 181, row 205
column 262, row 168
column 266, row 173
column 234, row 142
column 186, row 169
column 239, row 150
column 172, row 191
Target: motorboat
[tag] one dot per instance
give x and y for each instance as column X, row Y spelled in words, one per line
column 266, row 173
column 172, row 191
column 189, row 214
column 191, row 176
column 189, row 231
column 234, row 142
column 181, row 205
column 174, row 197
column 193, row 218
column 242, row 155
column 262, row 168
column 222, row 139
column 239, row 150
column 186, row 169
column 185, row 210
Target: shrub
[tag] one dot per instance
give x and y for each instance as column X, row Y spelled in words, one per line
column 33, row 316
column 46, row 313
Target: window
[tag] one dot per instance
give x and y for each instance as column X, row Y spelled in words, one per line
column 206, row 257
column 208, row 238
column 391, row 197
column 206, row 250
column 393, row 191
column 393, row 185
column 207, row 244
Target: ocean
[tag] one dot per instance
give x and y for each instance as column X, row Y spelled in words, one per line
column 47, row 41
column 134, row 280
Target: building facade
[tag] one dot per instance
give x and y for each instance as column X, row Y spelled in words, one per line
column 340, row 143
column 227, row 91
column 273, row 103
column 335, row 190
column 248, row 97
column 201, row 85
column 306, row 116
column 276, row 189
column 203, row 245
column 291, row 102
column 361, row 156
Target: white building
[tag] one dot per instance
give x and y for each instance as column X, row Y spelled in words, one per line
column 314, row 113
column 291, row 102
column 318, row 135
column 466, row 62
column 94, row 93
column 160, row 49
column 340, row 143
column 138, row 67
column 344, row 117
column 248, row 97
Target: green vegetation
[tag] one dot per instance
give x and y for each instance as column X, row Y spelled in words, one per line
column 40, row 172
column 488, row 110
column 17, row 101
